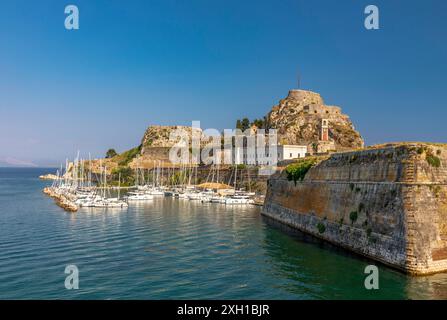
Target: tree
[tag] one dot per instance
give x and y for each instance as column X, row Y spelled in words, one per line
column 258, row 123
column 111, row 153
column 238, row 124
column 125, row 174
column 245, row 124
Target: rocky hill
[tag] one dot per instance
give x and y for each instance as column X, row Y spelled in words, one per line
column 297, row 118
column 298, row 121
column 158, row 136
column 155, row 144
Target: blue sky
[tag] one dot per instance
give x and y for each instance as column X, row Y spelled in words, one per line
column 136, row 63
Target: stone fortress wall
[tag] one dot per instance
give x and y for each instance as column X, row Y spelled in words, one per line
column 387, row 203
column 313, row 103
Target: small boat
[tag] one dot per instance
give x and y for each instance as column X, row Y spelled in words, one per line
column 194, row 196
column 217, row 199
column 182, row 195
column 157, row 192
column 138, row 196
column 239, row 199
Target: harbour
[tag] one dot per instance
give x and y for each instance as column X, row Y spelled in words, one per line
column 77, row 186
column 168, row 248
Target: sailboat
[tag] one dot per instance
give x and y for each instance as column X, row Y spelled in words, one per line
column 238, row 197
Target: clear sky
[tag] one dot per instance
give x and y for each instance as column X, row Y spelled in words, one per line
column 136, row 63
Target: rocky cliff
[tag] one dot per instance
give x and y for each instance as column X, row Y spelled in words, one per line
column 156, row 144
column 388, row 203
column 298, row 121
column 158, row 136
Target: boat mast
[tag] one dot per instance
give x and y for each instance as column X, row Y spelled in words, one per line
column 119, row 184
column 235, row 177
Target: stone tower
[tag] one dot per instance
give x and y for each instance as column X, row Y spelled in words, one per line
column 324, row 134
column 302, row 118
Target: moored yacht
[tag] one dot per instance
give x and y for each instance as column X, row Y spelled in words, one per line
column 239, row 199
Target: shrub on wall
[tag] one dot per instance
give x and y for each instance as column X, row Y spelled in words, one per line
column 433, row 160
column 361, row 207
column 321, row 228
column 353, row 216
column 297, row 171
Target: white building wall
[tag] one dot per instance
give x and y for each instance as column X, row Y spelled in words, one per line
column 288, row 152
column 249, row 156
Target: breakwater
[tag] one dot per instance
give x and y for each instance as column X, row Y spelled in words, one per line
column 65, row 201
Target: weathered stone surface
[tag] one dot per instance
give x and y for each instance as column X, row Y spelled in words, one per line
column 297, row 119
column 388, row 203
column 158, row 136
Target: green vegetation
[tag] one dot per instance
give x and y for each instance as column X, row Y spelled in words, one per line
column 297, row 171
column 361, row 207
column 245, row 123
column 260, row 123
column 126, row 157
column 353, row 216
column 241, row 166
column 321, row 227
column 368, row 232
column 149, row 142
column 400, row 151
column 111, row 153
column 126, row 174
column 179, row 177
column 433, row 160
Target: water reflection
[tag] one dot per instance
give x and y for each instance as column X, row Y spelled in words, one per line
column 324, row 271
column 433, row 287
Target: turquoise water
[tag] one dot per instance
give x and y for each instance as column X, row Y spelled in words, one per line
column 174, row 249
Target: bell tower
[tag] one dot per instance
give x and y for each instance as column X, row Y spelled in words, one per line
column 324, row 134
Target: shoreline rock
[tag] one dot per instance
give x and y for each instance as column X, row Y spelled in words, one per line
column 49, row 176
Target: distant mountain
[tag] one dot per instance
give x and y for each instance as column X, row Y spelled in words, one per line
column 13, row 162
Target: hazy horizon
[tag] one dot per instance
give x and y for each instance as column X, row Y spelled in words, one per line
column 139, row 63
